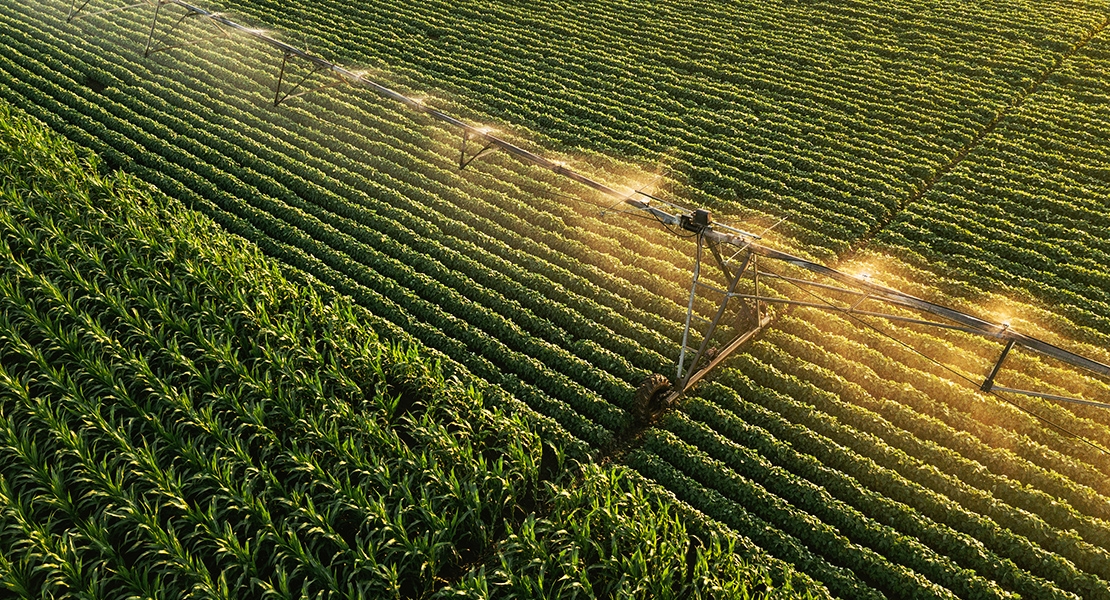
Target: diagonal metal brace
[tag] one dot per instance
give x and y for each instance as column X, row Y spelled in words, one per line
column 713, row 247
column 725, row 352
column 150, row 40
column 463, row 159
column 988, row 384
column 280, row 97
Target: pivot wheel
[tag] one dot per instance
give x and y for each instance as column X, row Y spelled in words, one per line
column 650, row 398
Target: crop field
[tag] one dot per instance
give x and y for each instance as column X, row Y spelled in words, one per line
column 396, row 378
column 181, row 420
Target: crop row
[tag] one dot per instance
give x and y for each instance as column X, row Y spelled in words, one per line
column 696, row 76
column 354, row 216
column 880, row 557
column 142, row 368
column 397, row 173
column 1026, row 208
column 892, row 404
column 874, row 439
column 895, row 531
column 859, row 353
column 381, row 283
column 937, row 536
column 884, row 485
column 593, row 544
column 977, row 354
column 175, row 418
column 841, row 582
column 401, row 215
column 355, row 120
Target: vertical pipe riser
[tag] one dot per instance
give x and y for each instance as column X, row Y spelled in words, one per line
column 689, row 317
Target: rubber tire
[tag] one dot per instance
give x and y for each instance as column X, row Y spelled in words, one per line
column 649, row 398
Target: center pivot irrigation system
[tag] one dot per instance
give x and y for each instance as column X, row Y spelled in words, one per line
column 742, row 310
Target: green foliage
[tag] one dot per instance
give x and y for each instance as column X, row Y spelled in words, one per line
column 180, row 412
column 606, row 536
column 228, row 433
column 178, row 420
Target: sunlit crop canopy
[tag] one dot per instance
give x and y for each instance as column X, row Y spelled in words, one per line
column 742, row 296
